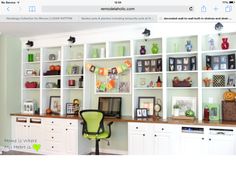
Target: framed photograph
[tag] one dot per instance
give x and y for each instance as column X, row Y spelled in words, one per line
column 185, row 67
column 223, row 66
column 179, row 61
column 223, row 59
column 124, row 87
column 216, row 66
column 179, row 67
column 55, row 104
column 141, row 113
column 148, row 103
column 231, row 61
column 70, row 109
column 231, row 80
column 139, row 66
column 171, row 61
column 75, row 69
column 185, row 104
column 186, row 61
column 216, row 59
column 214, row 111
column 172, row 68
column 28, row 107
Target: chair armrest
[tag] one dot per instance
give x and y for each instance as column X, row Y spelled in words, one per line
column 109, row 125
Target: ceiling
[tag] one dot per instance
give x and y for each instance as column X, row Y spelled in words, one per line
column 35, row 29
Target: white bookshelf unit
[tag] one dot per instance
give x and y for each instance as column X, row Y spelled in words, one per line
column 142, row 83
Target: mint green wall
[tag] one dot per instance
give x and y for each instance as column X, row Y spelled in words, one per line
column 10, row 81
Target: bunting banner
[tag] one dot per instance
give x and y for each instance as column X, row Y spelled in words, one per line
column 127, row 64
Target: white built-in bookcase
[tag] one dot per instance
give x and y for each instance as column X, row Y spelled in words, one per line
column 81, row 54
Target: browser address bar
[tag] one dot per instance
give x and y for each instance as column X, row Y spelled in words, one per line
column 78, row 9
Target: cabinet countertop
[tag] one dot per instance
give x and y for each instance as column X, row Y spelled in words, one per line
column 129, row 119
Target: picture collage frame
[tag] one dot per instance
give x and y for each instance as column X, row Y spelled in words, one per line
column 149, row 65
column 183, row 63
column 221, row 62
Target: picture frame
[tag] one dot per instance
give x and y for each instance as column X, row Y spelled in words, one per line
column 75, row 69
column 55, row 104
column 139, row 66
column 28, row 107
column 70, row 109
column 141, row 113
column 185, row 103
column 214, row 111
column 148, row 103
column 218, row 80
column 231, row 80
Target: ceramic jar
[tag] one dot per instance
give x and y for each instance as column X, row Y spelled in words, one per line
column 188, row 46
column 155, row 48
column 225, row 43
column 142, row 50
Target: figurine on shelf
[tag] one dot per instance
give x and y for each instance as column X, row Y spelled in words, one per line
column 211, row 44
column 188, row 46
column 76, row 106
column 225, row 43
column 151, row 84
column 159, row 82
column 207, row 82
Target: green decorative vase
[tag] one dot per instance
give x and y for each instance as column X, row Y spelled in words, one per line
column 121, row 51
column 95, row 53
column 155, row 48
column 30, row 57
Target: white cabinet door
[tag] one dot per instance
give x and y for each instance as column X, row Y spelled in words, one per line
column 193, row 144
column 71, row 141
column 36, row 137
column 21, row 136
column 136, row 143
column 162, row 143
column 221, row 145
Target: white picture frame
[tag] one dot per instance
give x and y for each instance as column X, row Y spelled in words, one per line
column 185, row 103
column 28, row 107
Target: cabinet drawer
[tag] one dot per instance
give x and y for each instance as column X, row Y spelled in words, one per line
column 72, row 123
column 55, row 137
column 136, row 127
column 53, row 147
column 54, row 122
column 54, row 129
column 161, row 128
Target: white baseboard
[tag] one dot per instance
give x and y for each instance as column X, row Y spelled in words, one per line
column 111, row 151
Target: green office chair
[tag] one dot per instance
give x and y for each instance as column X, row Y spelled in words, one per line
column 93, row 127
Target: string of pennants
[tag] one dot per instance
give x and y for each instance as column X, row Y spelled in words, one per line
column 107, row 71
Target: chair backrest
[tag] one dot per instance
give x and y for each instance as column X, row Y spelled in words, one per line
column 93, row 121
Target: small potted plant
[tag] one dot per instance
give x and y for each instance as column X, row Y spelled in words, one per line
column 176, row 108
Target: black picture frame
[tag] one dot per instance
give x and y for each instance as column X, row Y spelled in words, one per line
column 55, row 104
column 70, row 109
column 148, row 103
column 141, row 113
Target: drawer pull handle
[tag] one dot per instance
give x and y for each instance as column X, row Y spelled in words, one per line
column 52, row 147
column 162, row 129
column 155, row 135
column 52, row 137
column 52, row 129
column 209, row 139
column 52, row 122
column 28, row 126
column 70, row 123
column 202, row 138
column 136, row 127
column 24, row 125
column 66, row 129
column 143, row 134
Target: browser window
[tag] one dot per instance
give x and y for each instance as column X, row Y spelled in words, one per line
column 170, row 65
